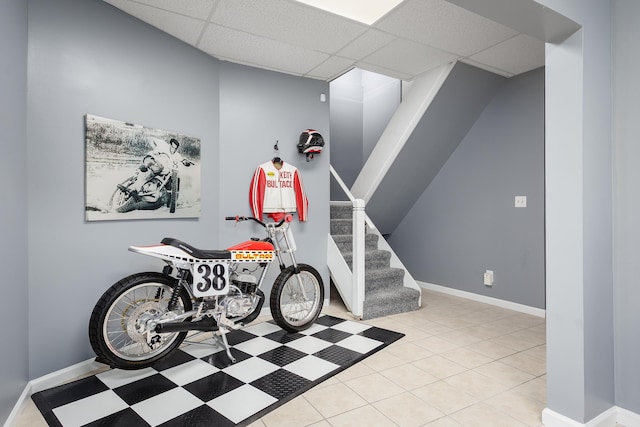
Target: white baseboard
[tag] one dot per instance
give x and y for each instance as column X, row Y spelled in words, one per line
column 51, row 380
column 18, row 407
column 608, row 418
column 484, row 299
column 628, row 418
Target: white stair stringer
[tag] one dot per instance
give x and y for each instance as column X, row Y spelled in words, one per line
column 342, row 278
column 422, row 92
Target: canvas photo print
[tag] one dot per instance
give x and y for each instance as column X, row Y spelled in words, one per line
column 135, row 172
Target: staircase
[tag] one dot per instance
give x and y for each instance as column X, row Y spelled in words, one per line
column 384, row 292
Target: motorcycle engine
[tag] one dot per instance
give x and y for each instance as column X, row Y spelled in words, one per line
column 240, row 303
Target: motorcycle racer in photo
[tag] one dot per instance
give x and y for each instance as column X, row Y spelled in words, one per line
column 155, row 183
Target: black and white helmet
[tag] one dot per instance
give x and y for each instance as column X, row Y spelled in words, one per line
column 310, row 143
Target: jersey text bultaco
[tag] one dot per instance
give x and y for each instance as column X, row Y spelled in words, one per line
column 277, row 191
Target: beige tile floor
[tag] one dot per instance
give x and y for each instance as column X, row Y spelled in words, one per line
column 461, row 363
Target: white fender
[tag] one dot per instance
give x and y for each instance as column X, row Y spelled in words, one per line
column 166, row 252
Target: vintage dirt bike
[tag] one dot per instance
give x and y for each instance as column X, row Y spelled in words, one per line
column 145, row 316
column 158, row 186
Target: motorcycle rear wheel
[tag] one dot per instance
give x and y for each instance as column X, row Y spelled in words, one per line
column 291, row 308
column 118, row 323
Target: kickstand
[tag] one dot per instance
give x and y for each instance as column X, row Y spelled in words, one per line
column 223, row 338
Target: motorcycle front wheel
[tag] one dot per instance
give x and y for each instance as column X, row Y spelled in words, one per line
column 121, row 324
column 296, row 299
column 121, row 201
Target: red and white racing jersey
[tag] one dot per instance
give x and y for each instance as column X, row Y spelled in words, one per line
column 277, row 191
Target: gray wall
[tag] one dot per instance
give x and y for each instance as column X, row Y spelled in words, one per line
column 455, row 108
column 465, row 222
column 578, row 166
column 626, row 128
column 380, row 99
column 347, row 128
column 362, row 103
column 88, row 57
column 13, row 219
column 258, row 108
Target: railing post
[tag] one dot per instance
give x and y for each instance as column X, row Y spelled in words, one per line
column 358, row 256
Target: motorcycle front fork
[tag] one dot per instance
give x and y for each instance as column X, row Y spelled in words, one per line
column 296, row 270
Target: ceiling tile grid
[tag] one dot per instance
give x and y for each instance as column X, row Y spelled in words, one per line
column 288, row 21
column 410, row 57
column 185, row 28
column 331, row 68
column 445, row 26
column 295, row 38
column 261, row 52
column 366, row 44
column 516, row 55
column 193, row 8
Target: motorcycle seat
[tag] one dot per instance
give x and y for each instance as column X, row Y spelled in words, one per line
column 195, row 252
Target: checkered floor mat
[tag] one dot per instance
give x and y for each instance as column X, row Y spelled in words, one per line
column 198, row 385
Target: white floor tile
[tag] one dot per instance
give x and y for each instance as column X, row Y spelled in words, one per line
column 263, row 329
column 189, row 372
column 119, row 377
column 309, row 344
column 88, row 409
column 166, row 406
column 250, row 369
column 254, row 401
column 257, row 346
column 203, row 349
column 311, row 367
column 352, row 327
column 359, row 344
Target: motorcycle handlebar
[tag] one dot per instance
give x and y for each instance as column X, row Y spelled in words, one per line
column 287, row 218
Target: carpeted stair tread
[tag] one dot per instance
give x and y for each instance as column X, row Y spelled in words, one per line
column 385, row 293
column 341, row 211
column 377, row 258
column 345, row 242
column 340, row 226
column 387, row 302
column 383, row 278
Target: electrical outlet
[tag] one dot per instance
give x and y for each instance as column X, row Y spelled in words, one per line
column 521, row 201
column 488, row 277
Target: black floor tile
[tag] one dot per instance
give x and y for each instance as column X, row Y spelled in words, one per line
column 281, row 384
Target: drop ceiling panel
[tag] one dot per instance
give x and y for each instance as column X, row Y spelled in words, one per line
column 409, row 57
column 444, row 25
column 249, row 49
column 288, row 21
column 295, row 38
column 525, row 16
column 517, row 55
column 181, row 27
column 331, row 68
column 487, row 67
column 200, row 9
column 366, row 44
column 385, row 71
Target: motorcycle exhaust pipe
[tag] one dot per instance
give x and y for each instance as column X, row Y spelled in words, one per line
column 203, row 325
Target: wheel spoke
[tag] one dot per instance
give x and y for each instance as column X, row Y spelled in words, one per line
column 300, row 299
column 125, row 330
